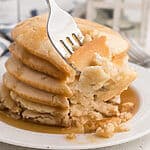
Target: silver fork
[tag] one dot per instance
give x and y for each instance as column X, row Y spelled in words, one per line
column 136, row 53
column 62, row 30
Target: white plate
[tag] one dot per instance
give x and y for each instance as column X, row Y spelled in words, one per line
column 140, row 126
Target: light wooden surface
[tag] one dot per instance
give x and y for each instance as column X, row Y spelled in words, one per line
column 139, row 144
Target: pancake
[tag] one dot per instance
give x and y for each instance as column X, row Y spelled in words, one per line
column 39, row 44
column 32, row 94
column 46, row 119
column 1, row 104
column 35, row 30
column 35, row 62
column 36, row 79
column 87, row 52
column 116, row 88
column 36, row 107
column 7, row 102
column 121, row 59
column 18, row 107
column 99, row 108
column 116, row 44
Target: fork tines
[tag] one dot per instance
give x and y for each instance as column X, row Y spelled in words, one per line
column 72, row 42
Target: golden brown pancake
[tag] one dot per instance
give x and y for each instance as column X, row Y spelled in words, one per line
column 8, row 102
column 32, row 94
column 116, row 88
column 39, row 45
column 36, row 79
column 36, row 107
column 114, row 40
column 33, row 111
column 83, row 56
column 46, row 119
column 35, row 62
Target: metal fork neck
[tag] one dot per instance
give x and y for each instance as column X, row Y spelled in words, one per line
column 51, row 4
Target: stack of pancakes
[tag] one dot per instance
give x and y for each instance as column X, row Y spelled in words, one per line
column 40, row 86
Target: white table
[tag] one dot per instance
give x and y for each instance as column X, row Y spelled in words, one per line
column 139, row 144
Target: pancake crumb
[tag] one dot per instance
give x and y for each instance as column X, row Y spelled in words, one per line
column 106, row 131
column 127, row 107
column 122, row 128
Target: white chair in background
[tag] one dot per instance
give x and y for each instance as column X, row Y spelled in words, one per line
column 145, row 25
column 116, row 6
column 147, row 47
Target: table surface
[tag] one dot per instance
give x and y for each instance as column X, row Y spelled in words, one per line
column 139, row 144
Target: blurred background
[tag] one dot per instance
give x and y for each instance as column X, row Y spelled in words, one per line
column 126, row 16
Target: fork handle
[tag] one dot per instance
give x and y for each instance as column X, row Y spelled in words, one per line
column 146, row 63
column 51, row 4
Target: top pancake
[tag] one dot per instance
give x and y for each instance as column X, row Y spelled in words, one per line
column 114, row 40
column 32, row 35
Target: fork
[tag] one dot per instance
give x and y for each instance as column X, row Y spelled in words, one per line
column 62, row 31
column 136, row 53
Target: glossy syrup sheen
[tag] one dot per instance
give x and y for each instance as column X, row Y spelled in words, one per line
column 129, row 95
